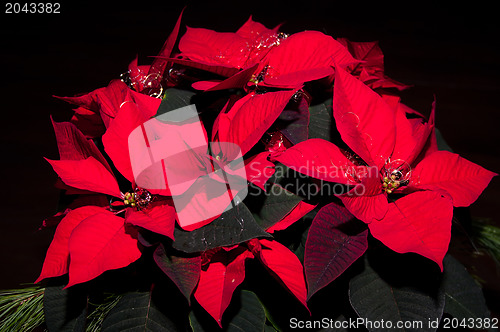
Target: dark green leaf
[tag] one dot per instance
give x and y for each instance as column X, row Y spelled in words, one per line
column 333, row 244
column 138, row 312
column 249, row 315
column 232, row 227
column 441, row 143
column 183, row 271
column 65, row 309
column 375, row 299
column 293, row 121
column 464, row 297
column 174, row 99
column 300, row 250
column 321, row 123
column 273, row 205
column 294, row 182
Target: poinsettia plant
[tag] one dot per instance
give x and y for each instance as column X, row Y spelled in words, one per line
column 255, row 180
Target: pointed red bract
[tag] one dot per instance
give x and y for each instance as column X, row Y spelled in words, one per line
column 138, row 75
column 318, row 158
column 371, row 67
column 414, row 137
column 303, row 57
column 419, row 222
column 159, row 64
column 238, row 80
column 100, row 243
column 110, row 99
column 211, row 47
column 222, row 70
column 87, row 101
column 132, row 113
column 73, row 145
column 88, row 122
column 254, row 30
column 88, row 174
column 158, row 219
column 250, row 117
column 219, row 280
column 364, row 120
column 300, row 210
column 237, row 50
column 259, row 169
column 57, row 258
column 286, row 266
column 366, row 201
column 366, row 208
column 462, row 179
column 206, row 197
column 406, row 139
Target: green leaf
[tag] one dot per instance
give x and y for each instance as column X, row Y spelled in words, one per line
column 174, row 99
column 300, row 250
column 138, row 312
column 464, row 297
column 274, row 205
column 441, row 142
column 407, row 298
column 293, row 121
column 183, row 271
column 232, row 227
column 245, row 314
column 65, row 309
column 321, row 123
column 334, row 242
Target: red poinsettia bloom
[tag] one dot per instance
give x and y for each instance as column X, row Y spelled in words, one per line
column 391, row 157
column 370, row 68
column 240, row 49
column 302, row 57
column 223, row 269
column 92, row 239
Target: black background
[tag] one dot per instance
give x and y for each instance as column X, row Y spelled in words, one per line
column 452, row 52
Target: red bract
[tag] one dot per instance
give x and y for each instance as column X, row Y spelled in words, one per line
column 389, row 156
column 238, row 50
column 186, row 170
column 247, row 119
column 370, row 69
column 90, row 240
column 303, row 57
column 97, row 108
column 224, row 270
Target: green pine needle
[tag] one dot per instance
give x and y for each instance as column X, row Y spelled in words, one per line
column 100, row 311
column 488, row 236
column 21, row 309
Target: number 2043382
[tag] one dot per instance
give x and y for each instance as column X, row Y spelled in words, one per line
column 33, row 8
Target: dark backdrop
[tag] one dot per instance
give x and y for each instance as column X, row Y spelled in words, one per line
column 450, row 52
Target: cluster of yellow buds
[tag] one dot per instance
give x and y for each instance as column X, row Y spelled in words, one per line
column 139, row 199
column 129, row 199
column 390, row 183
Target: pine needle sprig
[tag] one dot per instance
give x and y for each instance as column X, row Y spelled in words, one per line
column 21, row 309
